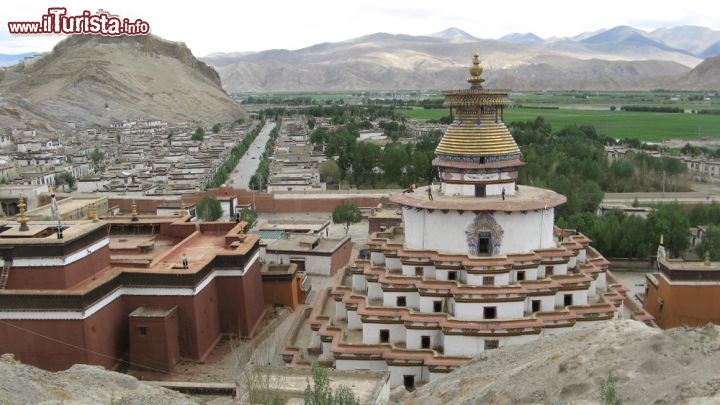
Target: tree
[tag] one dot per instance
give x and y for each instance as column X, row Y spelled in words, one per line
column 248, row 215
column 216, row 128
column 97, row 156
column 330, row 171
column 671, row 221
column 346, row 214
column 318, row 392
column 64, row 179
column 198, row 135
column 208, row 209
column 710, row 243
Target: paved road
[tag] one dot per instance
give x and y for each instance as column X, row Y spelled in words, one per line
column 248, row 164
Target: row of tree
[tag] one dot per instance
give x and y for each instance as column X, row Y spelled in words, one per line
column 235, row 154
column 260, row 178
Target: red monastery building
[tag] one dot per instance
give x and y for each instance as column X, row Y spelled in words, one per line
column 159, row 289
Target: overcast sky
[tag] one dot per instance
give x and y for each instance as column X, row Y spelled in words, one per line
column 208, row 26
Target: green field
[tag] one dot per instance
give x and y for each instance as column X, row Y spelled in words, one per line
column 646, row 126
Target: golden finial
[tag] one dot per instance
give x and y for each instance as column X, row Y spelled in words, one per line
column 93, row 212
column 183, row 209
column 51, row 190
column 476, row 70
column 661, row 239
column 22, row 219
column 134, row 212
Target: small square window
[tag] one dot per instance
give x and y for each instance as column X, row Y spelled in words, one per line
column 492, row 344
column 489, row 312
column 488, row 280
column 142, row 330
column 520, row 275
column 400, row 301
column 452, row 275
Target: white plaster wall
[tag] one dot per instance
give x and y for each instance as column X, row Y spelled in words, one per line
column 318, row 265
column 359, row 283
column 436, row 376
column 446, row 232
column 601, row 281
column 547, row 303
column 371, row 332
column 411, row 299
column 409, row 270
column 426, row 304
column 477, row 279
column 572, row 263
column 414, row 338
column 397, row 373
column 530, row 274
column 315, row 339
column 373, row 365
column 582, row 256
column 377, row 258
column 473, row 311
column 461, row 345
column 374, row 290
column 559, row 269
column 326, row 349
column 579, row 298
column 393, row 263
column 354, row 322
column 340, row 311
column 442, row 274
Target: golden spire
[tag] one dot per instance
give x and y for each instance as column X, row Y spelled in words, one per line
column 92, row 213
column 476, row 70
column 183, row 208
column 661, row 239
column 134, row 212
column 22, row 219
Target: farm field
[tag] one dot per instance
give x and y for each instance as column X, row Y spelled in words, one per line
column 645, row 126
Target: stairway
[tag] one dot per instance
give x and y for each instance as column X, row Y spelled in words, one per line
column 5, row 273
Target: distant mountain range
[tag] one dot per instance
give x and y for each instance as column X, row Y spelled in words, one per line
column 11, row 59
column 620, row 58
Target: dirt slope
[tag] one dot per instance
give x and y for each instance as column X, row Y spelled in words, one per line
column 651, row 366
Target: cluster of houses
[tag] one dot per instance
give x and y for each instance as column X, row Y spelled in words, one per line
column 132, row 157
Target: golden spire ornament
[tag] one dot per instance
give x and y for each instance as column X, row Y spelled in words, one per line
column 22, row 219
column 476, row 70
column 134, row 212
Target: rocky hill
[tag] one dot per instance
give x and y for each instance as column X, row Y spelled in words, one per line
column 704, row 76
column 80, row 384
column 650, row 366
column 97, row 79
column 620, row 58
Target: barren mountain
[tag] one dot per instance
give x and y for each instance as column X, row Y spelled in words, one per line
column 649, row 366
column 95, row 79
column 705, row 76
column 384, row 61
column 610, row 59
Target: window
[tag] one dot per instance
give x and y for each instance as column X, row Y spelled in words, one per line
column 520, row 275
column 409, row 382
column 400, row 301
column 548, row 271
column 535, row 304
column 437, row 306
column 142, row 330
column 492, row 344
column 488, row 280
column 425, row 342
column 489, row 312
column 567, row 299
column 418, row 271
column 484, row 245
column 452, row 275
column 384, row 335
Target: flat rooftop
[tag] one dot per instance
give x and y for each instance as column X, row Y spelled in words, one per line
column 306, row 244
column 526, row 198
